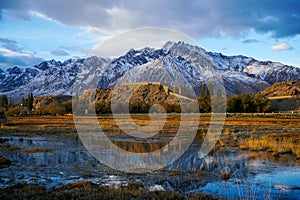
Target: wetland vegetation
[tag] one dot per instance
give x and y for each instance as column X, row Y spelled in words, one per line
column 257, row 156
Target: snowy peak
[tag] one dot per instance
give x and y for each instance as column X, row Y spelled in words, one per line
column 47, row 64
column 119, row 66
column 175, row 63
column 183, row 50
column 273, row 72
column 15, row 77
column 14, row 70
column 234, row 63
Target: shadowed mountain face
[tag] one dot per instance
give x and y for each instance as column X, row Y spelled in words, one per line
column 175, row 63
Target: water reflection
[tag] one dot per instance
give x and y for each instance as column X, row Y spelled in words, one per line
column 39, row 151
column 53, row 163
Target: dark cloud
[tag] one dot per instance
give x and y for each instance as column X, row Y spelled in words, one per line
column 16, row 55
column 76, row 48
column 280, row 18
column 3, row 59
column 21, row 61
column 10, row 44
column 7, row 5
column 15, row 8
column 194, row 17
column 249, row 41
column 60, row 52
column 6, row 40
column 199, row 18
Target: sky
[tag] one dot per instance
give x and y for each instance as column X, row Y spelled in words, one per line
column 35, row 30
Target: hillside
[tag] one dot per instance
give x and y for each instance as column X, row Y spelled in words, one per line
column 284, row 96
column 46, row 100
column 281, row 89
column 140, row 96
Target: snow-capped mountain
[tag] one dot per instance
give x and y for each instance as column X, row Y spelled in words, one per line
column 175, row 63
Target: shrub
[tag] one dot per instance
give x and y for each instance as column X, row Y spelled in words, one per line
column 14, row 111
column 54, row 108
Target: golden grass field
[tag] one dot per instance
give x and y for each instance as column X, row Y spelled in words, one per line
column 48, row 124
column 273, row 133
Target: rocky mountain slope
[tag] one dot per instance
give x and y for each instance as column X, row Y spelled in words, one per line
column 174, row 64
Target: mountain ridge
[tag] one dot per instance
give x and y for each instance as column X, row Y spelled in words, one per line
column 182, row 63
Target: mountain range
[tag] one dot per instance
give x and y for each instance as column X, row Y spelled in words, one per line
column 176, row 63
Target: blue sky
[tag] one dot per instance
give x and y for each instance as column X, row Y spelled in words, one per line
column 32, row 31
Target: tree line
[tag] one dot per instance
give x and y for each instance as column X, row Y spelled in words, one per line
column 248, row 103
column 242, row 103
column 26, row 105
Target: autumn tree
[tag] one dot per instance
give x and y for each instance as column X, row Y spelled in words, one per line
column 54, row 108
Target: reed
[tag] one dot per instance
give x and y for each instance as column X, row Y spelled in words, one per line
column 272, row 143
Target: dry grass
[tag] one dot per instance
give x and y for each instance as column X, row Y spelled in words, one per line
column 65, row 124
column 276, row 144
column 8, row 147
column 37, row 150
column 277, row 134
column 41, row 122
column 58, row 126
column 87, row 190
column 250, row 131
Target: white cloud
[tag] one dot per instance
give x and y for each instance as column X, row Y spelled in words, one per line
column 268, row 19
column 282, row 46
column 137, row 39
column 204, row 18
column 10, row 53
column 60, row 52
column 42, row 16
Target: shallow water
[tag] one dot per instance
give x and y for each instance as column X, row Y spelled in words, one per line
column 280, row 183
column 61, row 162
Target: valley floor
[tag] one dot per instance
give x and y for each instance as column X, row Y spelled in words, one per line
column 46, row 150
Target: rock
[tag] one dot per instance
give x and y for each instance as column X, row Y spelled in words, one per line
column 4, row 162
